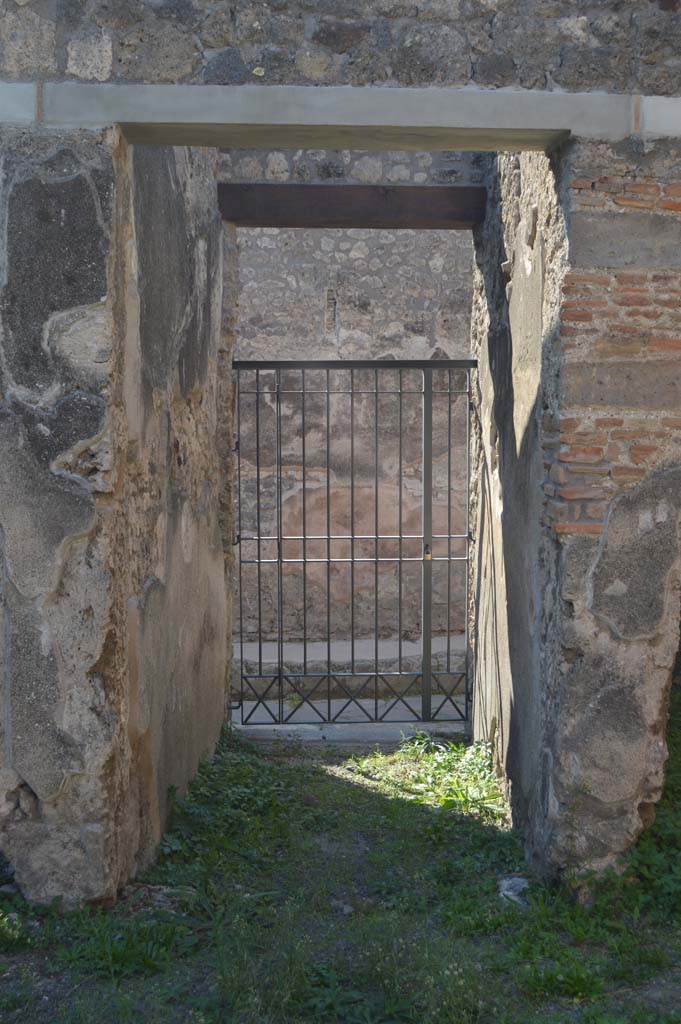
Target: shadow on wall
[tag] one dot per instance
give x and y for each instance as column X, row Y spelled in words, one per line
column 508, row 590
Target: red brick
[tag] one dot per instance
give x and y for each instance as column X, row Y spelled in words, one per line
column 630, row 277
column 609, row 421
column 634, row 433
column 637, row 204
column 641, row 452
column 633, row 298
column 647, row 188
column 578, row 315
column 627, row 473
column 673, row 189
column 649, row 313
column 581, row 453
column 582, row 183
column 582, row 493
column 593, row 529
column 586, row 472
column 621, row 328
column 582, row 437
column 672, row 422
column 575, row 331
column 585, row 303
column 671, row 204
column 659, row 344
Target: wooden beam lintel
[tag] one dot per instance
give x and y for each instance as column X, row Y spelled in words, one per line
column 424, row 207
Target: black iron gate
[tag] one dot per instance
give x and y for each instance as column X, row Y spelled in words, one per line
column 352, row 540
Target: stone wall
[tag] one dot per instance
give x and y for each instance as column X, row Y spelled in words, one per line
column 355, row 293
column 109, row 479
column 572, row 45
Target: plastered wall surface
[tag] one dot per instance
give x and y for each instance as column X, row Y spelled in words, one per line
column 113, row 684
column 521, row 256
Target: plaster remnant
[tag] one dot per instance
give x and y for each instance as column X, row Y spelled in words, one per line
column 91, row 57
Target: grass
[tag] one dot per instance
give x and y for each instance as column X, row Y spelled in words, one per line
column 298, row 888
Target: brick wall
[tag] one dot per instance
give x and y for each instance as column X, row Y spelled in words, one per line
column 612, row 450
column 613, row 320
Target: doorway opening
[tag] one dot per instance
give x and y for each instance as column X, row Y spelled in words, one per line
column 353, row 536
column 352, row 498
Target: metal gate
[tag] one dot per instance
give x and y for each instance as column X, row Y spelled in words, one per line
column 352, row 511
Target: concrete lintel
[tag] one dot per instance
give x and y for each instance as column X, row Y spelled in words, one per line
column 18, row 102
column 340, row 116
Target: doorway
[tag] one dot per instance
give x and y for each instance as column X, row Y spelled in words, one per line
column 352, row 541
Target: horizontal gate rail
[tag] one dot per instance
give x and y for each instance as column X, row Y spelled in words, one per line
column 373, row 669
column 355, row 364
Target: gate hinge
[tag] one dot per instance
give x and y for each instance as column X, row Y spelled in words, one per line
column 236, row 539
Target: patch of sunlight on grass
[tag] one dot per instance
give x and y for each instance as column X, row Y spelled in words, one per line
column 303, row 887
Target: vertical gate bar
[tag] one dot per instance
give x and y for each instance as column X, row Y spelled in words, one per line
column 302, row 398
column 399, row 529
column 467, row 683
column 376, row 543
column 352, row 521
column 239, row 531
column 280, row 575
column 257, row 513
column 427, row 574
column 449, row 519
column 328, row 550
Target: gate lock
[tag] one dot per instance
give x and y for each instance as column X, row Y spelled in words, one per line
column 427, row 556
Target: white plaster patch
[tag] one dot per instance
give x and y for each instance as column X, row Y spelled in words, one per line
column 662, row 512
column 276, row 168
column 45, row 640
column 91, row 58
column 576, row 28
column 617, row 588
column 82, row 339
column 645, row 521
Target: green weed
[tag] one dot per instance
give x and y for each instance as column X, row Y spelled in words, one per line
column 298, row 888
